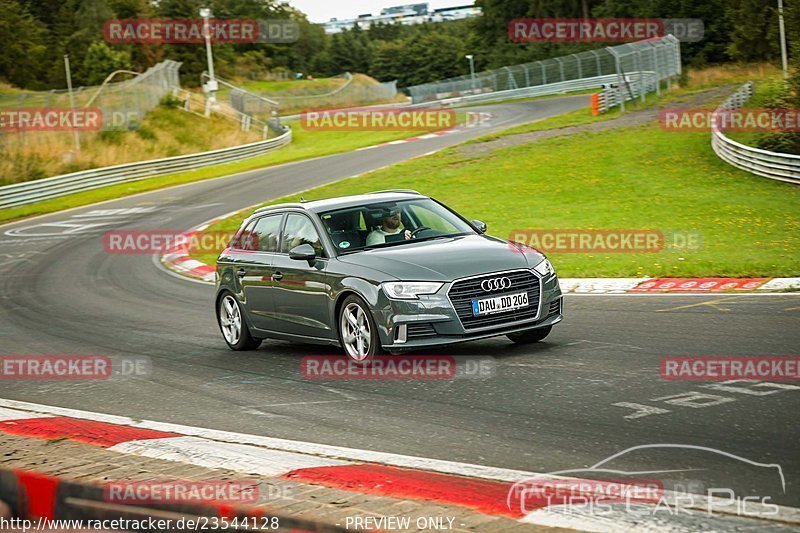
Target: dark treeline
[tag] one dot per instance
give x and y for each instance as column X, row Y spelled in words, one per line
column 35, row 34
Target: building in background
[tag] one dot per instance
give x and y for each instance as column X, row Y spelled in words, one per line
column 405, row 14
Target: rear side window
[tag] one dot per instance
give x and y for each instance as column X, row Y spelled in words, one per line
column 299, row 230
column 266, row 232
column 243, row 240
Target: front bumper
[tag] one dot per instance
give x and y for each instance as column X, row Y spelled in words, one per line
column 432, row 320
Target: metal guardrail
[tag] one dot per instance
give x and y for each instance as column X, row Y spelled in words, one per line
column 57, row 186
column 630, row 87
column 539, row 90
column 773, row 165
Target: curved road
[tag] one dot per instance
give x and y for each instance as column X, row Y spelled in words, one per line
column 591, row 390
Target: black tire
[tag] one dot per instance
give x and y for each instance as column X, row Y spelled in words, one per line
column 530, row 336
column 228, row 308
column 352, row 304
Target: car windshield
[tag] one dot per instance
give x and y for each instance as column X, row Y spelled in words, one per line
column 383, row 224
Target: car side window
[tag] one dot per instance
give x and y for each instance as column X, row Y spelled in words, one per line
column 265, row 234
column 299, row 230
column 243, row 240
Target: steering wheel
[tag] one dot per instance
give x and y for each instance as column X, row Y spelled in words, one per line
column 421, row 228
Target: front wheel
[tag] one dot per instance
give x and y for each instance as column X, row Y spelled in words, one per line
column 530, row 336
column 357, row 330
column 233, row 326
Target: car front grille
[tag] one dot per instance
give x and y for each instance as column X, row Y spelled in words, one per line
column 463, row 292
column 419, row 331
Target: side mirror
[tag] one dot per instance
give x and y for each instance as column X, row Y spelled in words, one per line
column 304, row 252
column 480, row 226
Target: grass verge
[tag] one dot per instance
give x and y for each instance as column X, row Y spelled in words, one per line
column 632, row 178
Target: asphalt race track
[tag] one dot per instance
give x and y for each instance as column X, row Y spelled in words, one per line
column 591, row 390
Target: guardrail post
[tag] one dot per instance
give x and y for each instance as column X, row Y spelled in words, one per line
column 658, row 71
column 620, row 79
column 578, row 61
column 597, row 59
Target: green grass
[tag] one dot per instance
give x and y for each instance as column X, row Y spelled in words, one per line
column 633, row 178
column 305, row 145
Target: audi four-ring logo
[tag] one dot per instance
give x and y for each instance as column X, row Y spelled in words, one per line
column 495, row 284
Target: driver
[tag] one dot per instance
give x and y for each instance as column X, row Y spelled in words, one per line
column 390, row 225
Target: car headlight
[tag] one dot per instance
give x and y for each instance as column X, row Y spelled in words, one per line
column 544, row 268
column 409, row 290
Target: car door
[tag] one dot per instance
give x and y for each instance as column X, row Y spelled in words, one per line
column 255, row 268
column 300, row 288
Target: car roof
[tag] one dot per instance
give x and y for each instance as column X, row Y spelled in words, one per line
column 343, row 202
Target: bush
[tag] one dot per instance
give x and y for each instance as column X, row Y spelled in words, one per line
column 146, row 133
column 777, row 95
column 23, row 168
column 111, row 136
column 170, row 102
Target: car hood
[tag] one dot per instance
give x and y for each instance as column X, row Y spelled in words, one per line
column 446, row 259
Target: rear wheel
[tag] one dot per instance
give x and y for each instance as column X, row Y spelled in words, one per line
column 233, row 325
column 357, row 330
column 530, row 336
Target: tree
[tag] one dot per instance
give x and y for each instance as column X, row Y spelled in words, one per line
column 351, row 51
column 389, row 62
column 428, row 55
column 754, row 35
column 22, row 40
column 101, row 60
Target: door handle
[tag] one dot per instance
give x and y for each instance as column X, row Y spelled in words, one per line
column 241, row 272
column 277, row 276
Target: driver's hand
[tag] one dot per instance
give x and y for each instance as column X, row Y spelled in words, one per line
column 408, row 235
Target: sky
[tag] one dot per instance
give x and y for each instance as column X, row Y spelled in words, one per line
column 324, row 10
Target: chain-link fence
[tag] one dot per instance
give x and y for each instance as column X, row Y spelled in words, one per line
column 123, row 104
column 657, row 60
column 356, row 91
column 197, row 104
column 243, row 101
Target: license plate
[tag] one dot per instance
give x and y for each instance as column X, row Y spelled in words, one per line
column 499, row 304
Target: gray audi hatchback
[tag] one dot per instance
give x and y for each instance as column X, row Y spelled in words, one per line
column 389, row 271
